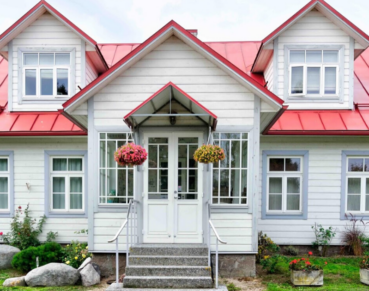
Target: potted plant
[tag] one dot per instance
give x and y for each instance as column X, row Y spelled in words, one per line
column 130, row 154
column 364, row 270
column 207, row 154
column 305, row 273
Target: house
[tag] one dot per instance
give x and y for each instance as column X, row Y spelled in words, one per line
column 290, row 111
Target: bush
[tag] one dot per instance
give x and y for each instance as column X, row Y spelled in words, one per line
column 353, row 235
column 24, row 234
column 265, row 246
column 75, row 254
column 291, row 251
column 232, row 287
column 323, row 238
column 276, row 264
column 25, row 260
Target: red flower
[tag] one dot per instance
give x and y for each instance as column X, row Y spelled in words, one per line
column 19, row 207
column 307, row 263
column 310, row 253
column 1, row 233
column 303, row 259
column 325, row 263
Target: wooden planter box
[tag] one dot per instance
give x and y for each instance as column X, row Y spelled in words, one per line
column 307, row 278
column 364, row 276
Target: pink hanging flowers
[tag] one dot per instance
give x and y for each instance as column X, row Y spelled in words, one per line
column 130, row 154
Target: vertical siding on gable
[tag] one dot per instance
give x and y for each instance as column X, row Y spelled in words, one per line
column 176, row 62
column 46, row 31
column 314, row 29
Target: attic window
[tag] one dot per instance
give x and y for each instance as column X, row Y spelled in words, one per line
column 314, row 73
column 46, row 75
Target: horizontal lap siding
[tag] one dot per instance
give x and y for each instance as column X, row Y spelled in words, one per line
column 46, row 31
column 174, row 61
column 29, row 168
column 314, row 29
column 324, row 194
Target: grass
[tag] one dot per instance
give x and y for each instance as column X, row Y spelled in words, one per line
column 340, row 274
column 10, row 273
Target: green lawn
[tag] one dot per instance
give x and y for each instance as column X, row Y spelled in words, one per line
column 340, row 274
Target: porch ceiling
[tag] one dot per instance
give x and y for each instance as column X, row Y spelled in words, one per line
column 170, row 101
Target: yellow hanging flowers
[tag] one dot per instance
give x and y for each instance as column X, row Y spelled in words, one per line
column 207, row 154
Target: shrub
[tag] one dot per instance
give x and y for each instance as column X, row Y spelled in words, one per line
column 276, row 264
column 364, row 264
column 25, row 260
column 353, row 235
column 323, row 238
column 75, row 254
column 304, row 264
column 265, row 246
column 24, row 234
column 232, row 287
column 291, row 251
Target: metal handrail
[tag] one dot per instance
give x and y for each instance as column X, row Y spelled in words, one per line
column 216, row 233
column 124, row 223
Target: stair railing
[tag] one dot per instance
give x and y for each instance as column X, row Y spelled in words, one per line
column 131, row 234
column 217, row 239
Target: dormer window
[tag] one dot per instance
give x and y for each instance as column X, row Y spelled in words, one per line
column 314, row 73
column 46, row 75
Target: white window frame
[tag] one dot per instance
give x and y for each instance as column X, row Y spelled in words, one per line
column 284, row 175
column 362, row 176
column 67, row 175
column 322, row 65
column 6, row 174
column 38, row 69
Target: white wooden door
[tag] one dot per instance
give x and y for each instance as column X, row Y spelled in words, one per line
column 172, row 189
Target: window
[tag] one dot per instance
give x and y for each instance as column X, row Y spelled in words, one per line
column 357, row 189
column 67, row 184
column 46, row 75
column 116, row 183
column 284, row 184
column 4, row 184
column 314, row 73
column 230, row 175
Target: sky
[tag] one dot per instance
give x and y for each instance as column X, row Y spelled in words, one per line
column 133, row 21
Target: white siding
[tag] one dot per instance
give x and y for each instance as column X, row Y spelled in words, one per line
column 324, row 184
column 91, row 73
column 29, row 168
column 46, row 31
column 268, row 75
column 235, row 229
column 314, row 29
column 80, row 110
column 176, row 62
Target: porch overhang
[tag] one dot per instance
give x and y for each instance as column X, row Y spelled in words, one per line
column 164, row 104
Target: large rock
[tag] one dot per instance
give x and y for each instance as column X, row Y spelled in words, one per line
column 6, row 256
column 13, row 282
column 85, row 263
column 90, row 276
column 53, row 274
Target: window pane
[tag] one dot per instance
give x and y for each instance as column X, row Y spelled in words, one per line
column 275, row 185
column 3, row 165
column 225, row 145
column 46, row 82
column 353, row 202
column 192, row 162
column 75, row 165
column 355, row 165
column 62, row 59
column 297, row 56
column 163, row 180
column 293, row 202
column 3, row 185
column 215, row 185
column 3, row 201
column 46, row 59
column 116, row 136
column 188, row 140
column 244, row 154
column 153, row 181
column 224, row 182
column 330, row 56
column 58, row 193
column 59, row 164
column 76, row 201
column 30, row 77
column 215, row 135
column 330, row 80
column 130, row 182
column 235, row 183
column 313, row 80
column 235, row 154
column 163, row 156
column 76, row 193
column 153, row 156
column 182, row 181
column 182, row 156
column 293, row 164
column 276, row 165
column 275, row 202
column 244, row 183
column 76, row 184
column 110, row 154
column 293, row 185
column 366, row 167
column 30, row 59
column 102, row 183
column 366, row 202
column 62, row 81
column 158, row 140
column 192, row 181
column 367, row 186
column 122, row 190
column 230, row 135
column 102, row 154
column 297, row 77
column 111, row 183
column 354, row 186
column 313, row 56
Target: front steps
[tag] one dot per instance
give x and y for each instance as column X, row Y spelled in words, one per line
column 168, row 266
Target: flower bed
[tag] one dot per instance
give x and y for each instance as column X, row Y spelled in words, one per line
column 305, row 273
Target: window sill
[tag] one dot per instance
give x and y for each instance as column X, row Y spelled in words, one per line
column 281, row 216
column 229, row 208
column 6, row 214
column 112, row 208
column 313, row 98
column 51, row 214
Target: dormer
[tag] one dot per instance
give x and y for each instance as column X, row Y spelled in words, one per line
column 48, row 57
column 309, row 60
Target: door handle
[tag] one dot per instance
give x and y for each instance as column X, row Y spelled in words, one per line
column 175, row 195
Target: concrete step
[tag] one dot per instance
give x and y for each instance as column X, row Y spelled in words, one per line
column 167, row 282
column 169, row 250
column 135, row 260
column 169, row 271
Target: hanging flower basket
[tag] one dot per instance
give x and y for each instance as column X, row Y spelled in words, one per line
column 207, row 154
column 130, row 154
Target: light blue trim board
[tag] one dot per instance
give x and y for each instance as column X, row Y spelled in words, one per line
column 10, row 155
column 47, row 155
column 343, row 182
column 10, row 75
column 305, row 183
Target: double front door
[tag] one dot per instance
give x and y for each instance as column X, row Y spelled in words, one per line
column 172, row 189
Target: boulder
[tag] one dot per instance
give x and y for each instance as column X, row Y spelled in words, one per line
column 13, row 282
column 90, row 276
column 53, row 274
column 85, row 263
column 6, row 256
